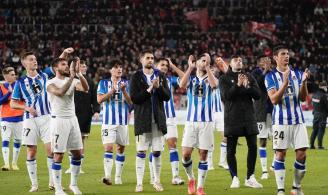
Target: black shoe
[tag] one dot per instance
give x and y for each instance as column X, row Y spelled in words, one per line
column 312, row 147
column 321, row 148
column 106, row 181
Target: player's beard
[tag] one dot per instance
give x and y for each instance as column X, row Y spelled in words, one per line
column 148, row 66
column 64, row 73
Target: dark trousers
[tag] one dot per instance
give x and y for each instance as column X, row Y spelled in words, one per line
column 251, row 156
column 319, row 128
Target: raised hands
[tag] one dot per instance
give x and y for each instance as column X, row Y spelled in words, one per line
column 306, row 75
column 192, row 61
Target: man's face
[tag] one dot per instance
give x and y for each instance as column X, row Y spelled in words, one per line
column 30, row 63
column 163, row 66
column 83, row 69
column 283, row 57
column 264, row 61
column 117, row 71
column 63, row 68
column 201, row 63
column 10, row 77
column 147, row 60
column 236, row 63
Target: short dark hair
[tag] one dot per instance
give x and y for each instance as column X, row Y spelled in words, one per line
column 114, row 63
column 277, row 48
column 56, row 61
column 25, row 54
column 142, row 53
column 83, row 62
column 163, row 59
column 7, row 70
column 258, row 58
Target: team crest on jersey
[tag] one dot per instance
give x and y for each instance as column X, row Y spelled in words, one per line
column 36, row 88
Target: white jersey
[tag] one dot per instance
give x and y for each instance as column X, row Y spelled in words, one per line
column 200, row 100
column 288, row 111
column 62, row 106
column 217, row 101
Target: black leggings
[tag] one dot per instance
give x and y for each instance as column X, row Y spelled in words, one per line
column 251, row 156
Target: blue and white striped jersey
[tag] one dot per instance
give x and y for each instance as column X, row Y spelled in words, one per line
column 288, row 111
column 115, row 111
column 33, row 91
column 200, row 100
column 169, row 105
column 217, row 102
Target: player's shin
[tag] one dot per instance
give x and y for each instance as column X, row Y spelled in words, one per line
column 108, row 164
column 75, row 170
column 57, row 175
column 187, row 164
column 299, row 172
column 16, row 150
column 50, row 162
column 32, row 171
column 280, row 172
column 157, row 165
column 140, row 167
column 174, row 159
column 202, row 172
column 119, row 163
column 5, row 152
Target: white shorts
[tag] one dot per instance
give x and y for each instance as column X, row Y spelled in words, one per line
column 65, row 134
column 219, row 121
column 115, row 134
column 35, row 128
column 11, row 129
column 285, row 136
column 172, row 128
column 154, row 140
column 265, row 128
column 198, row 135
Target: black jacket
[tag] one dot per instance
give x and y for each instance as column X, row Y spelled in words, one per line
column 145, row 104
column 263, row 105
column 86, row 103
column 320, row 104
column 239, row 115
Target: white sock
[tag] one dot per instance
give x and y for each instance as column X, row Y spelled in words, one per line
column 223, row 153
column 57, row 175
column 50, row 162
column 157, row 165
column 108, row 164
column 280, row 172
column 75, row 170
column 140, row 167
column 150, row 165
column 5, row 152
column 32, row 171
column 263, row 159
column 299, row 172
column 202, row 172
column 174, row 159
column 210, row 158
column 188, row 168
column 16, row 150
column 119, row 163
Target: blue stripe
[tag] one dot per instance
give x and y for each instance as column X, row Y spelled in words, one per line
column 108, row 155
column 216, row 109
column 112, row 105
column 204, row 102
column 151, row 157
column 106, row 112
column 174, row 156
column 40, row 98
column 157, row 154
column 5, row 143
column 120, row 117
column 278, row 165
column 210, row 103
column 262, row 153
column 187, row 164
column 203, row 166
column 28, row 100
column 295, row 103
column 126, row 113
column 141, row 155
column 17, row 144
column 299, row 166
column 56, row 166
column 120, row 158
column 76, row 162
column 289, row 115
column 219, row 100
column 190, row 96
column 196, row 103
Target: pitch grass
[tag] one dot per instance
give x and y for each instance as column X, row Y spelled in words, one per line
column 217, row 182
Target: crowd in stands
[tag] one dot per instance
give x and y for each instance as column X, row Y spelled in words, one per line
column 100, row 30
